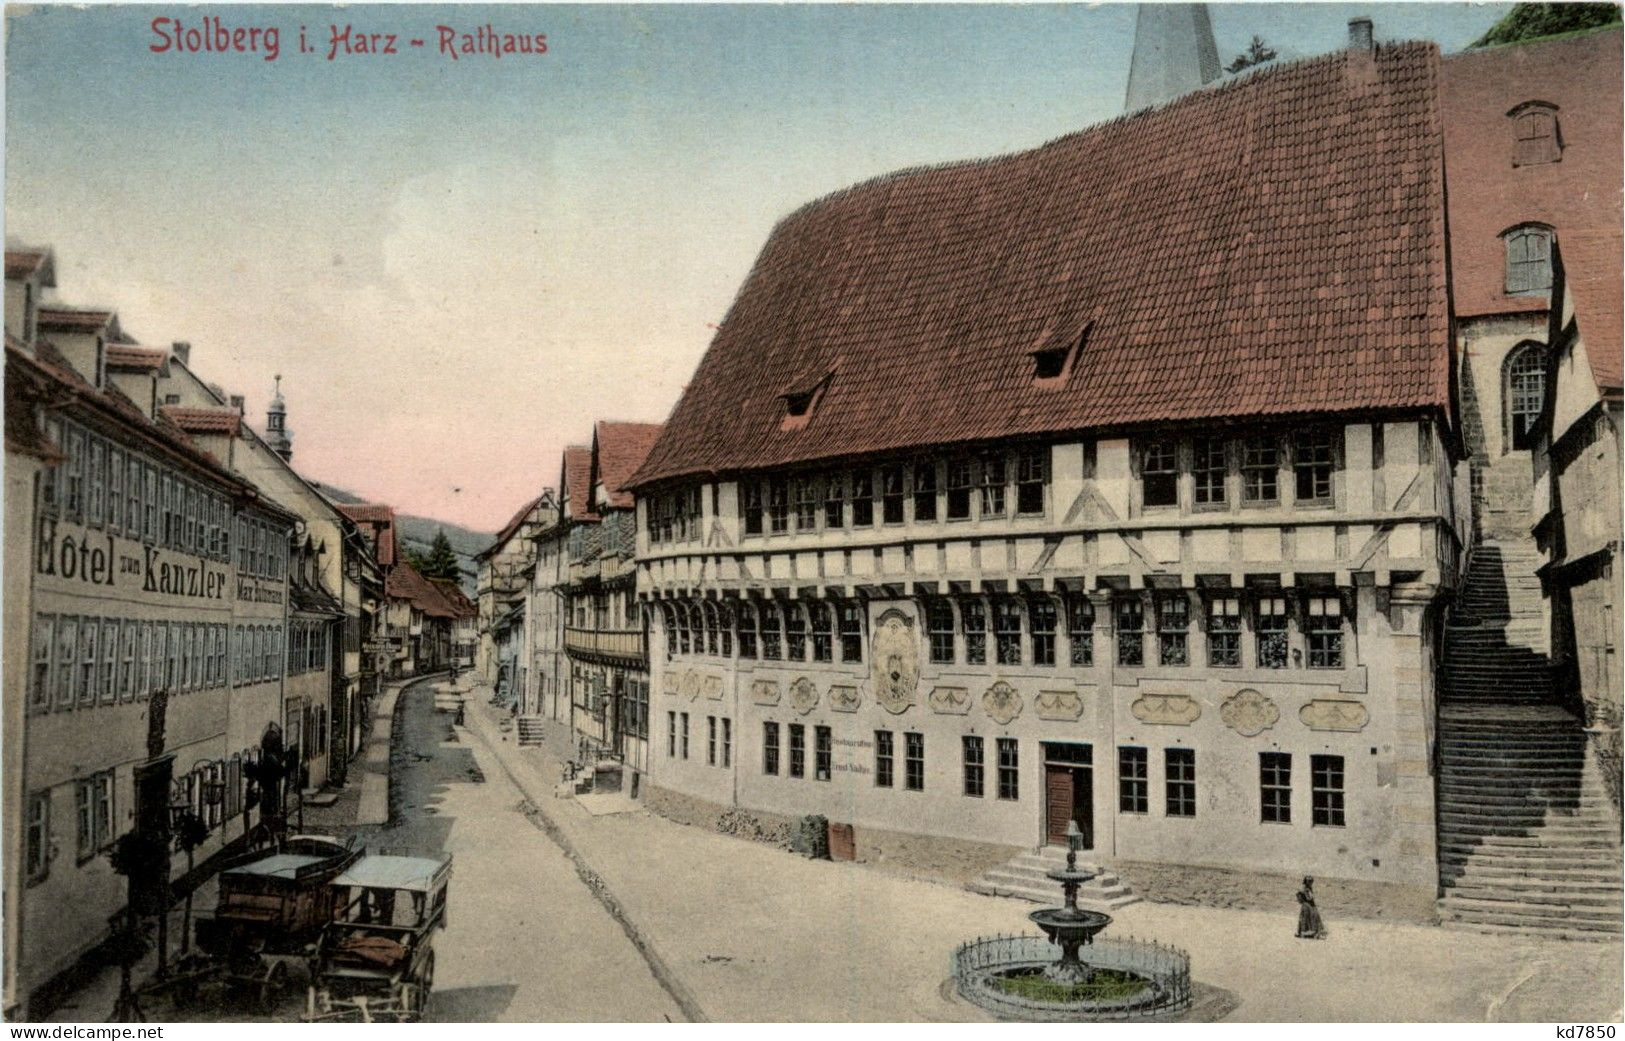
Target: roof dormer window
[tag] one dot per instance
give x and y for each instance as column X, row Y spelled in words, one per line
column 1535, row 134
column 800, row 404
column 1052, row 362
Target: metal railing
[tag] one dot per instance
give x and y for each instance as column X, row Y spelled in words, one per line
column 977, row 965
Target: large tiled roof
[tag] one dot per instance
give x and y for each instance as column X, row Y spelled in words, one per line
column 1273, row 246
column 453, row 594
column 576, row 481
column 1591, row 270
column 621, row 449
column 375, row 518
column 405, row 583
column 511, row 527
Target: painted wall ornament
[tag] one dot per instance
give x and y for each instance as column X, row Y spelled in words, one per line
column 949, row 701
column 690, row 685
column 713, row 687
column 803, row 695
column 764, row 692
column 1249, row 713
column 1002, row 703
column 1062, row 705
column 668, row 681
column 1175, row 710
column 844, row 698
column 1334, row 714
column 896, row 658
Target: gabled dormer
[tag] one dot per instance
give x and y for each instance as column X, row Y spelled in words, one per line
column 29, row 272
column 81, row 335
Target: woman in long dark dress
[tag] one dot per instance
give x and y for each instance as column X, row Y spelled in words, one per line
column 1310, row 926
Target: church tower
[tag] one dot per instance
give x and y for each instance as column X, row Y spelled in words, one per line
column 276, row 424
column 1174, row 54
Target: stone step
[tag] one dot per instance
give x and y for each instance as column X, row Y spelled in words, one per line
column 1564, row 894
column 1558, row 932
column 1500, row 912
column 1049, row 895
column 1520, row 812
column 1604, row 871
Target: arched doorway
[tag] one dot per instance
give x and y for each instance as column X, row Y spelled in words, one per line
column 1524, row 394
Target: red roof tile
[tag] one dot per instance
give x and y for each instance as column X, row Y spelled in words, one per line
column 377, row 521
column 1592, row 272
column 405, row 583
column 75, row 320
column 576, row 483
column 619, row 449
column 203, row 420
column 454, row 595
column 145, row 359
column 512, row 526
column 1273, row 246
column 22, row 263
column 1488, row 194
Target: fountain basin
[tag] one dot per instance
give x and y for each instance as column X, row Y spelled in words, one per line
column 1069, row 928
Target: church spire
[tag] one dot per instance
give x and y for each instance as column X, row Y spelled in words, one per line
column 1174, row 54
column 276, row 424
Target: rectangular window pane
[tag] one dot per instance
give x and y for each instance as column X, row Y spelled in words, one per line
column 1209, row 468
column 1007, row 629
column 925, row 492
column 851, row 632
column 973, row 766
column 1042, row 616
column 940, row 624
column 1173, row 625
column 1133, row 780
column 1312, row 463
column 835, row 501
column 798, row 750
column 863, row 498
column 822, row 635
column 1159, row 473
column 883, row 758
column 1130, row 632
column 1180, row 778
column 973, row 621
column 1270, row 629
column 1324, row 632
column 959, row 489
column 1009, row 769
column 914, row 762
column 823, row 754
column 994, row 480
column 1224, row 632
column 891, row 494
column 770, row 748
column 1326, row 780
column 1032, row 476
column 1080, row 626
column 1275, row 787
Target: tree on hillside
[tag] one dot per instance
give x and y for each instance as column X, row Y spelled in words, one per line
column 441, row 561
column 1257, row 53
column 1533, row 21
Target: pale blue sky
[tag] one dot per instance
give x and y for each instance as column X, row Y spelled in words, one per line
column 458, row 266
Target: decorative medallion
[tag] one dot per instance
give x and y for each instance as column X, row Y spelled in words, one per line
column 668, row 681
column 712, row 687
column 1174, row 710
column 896, row 658
column 1062, row 705
column 844, row 699
column 949, row 701
column 764, row 692
column 1334, row 714
column 689, row 687
column 803, row 695
column 1002, row 703
column 1249, row 713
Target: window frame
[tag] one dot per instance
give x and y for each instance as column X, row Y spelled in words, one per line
column 913, row 761
column 1275, row 787
column 1130, row 655
column 1133, row 779
column 1159, row 462
column 885, row 759
column 1179, row 782
column 1328, row 791
column 1009, row 752
column 973, row 758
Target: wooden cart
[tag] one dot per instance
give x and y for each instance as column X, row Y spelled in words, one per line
column 375, row 959
column 272, row 906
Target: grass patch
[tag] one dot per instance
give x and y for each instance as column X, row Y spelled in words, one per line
column 1108, row 985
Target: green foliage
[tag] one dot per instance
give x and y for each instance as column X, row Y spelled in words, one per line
column 190, row 832
column 441, row 561
column 1107, row 985
column 1534, row 21
column 1257, row 53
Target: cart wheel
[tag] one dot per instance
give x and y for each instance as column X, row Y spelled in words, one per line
column 426, row 978
column 408, row 1002
column 271, row 984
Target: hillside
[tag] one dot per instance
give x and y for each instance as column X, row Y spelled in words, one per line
column 417, row 534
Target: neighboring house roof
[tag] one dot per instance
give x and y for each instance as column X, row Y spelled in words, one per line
column 576, row 481
column 203, row 420
column 24, row 263
column 405, row 583
column 1592, row 272
column 508, row 529
column 454, row 595
column 618, row 450
column 136, row 359
column 1580, row 77
column 77, row 320
column 377, row 519
column 1273, row 246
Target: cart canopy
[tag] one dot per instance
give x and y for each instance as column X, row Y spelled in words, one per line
column 413, row 874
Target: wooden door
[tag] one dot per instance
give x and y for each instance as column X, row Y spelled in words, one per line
column 1058, row 802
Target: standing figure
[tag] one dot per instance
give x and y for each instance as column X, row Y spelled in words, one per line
column 1310, row 926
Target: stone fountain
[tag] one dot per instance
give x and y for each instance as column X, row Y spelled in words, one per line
column 1070, row 927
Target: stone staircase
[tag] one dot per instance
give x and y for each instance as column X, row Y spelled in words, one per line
column 1025, row 878
column 531, row 731
column 1528, row 841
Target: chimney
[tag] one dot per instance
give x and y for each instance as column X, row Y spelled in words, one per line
column 182, row 352
column 237, row 404
column 1360, row 34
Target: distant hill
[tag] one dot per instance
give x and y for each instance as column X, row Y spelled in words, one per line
column 417, row 534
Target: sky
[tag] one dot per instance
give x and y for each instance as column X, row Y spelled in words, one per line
column 457, row 265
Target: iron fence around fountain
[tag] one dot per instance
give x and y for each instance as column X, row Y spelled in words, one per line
column 1166, row 968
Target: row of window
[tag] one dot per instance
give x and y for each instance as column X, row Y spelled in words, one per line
column 104, row 485
column 823, row 751
column 1259, row 462
column 307, row 646
column 719, row 738
column 772, row 630
column 83, row 661
column 1022, row 630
